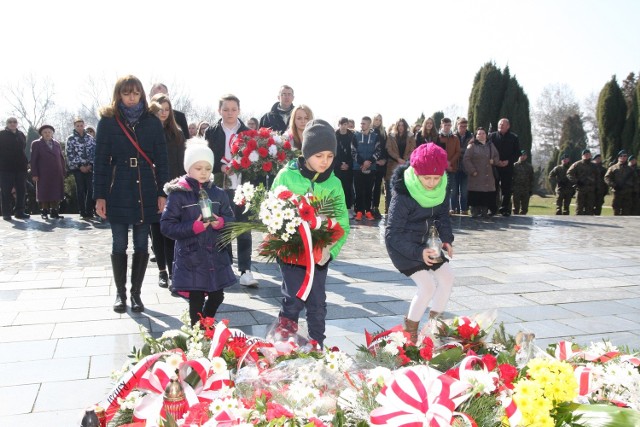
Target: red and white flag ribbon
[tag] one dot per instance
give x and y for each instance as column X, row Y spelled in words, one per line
column 310, row 265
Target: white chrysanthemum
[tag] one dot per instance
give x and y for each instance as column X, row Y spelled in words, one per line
column 174, row 361
column 391, row 349
column 194, row 353
column 602, row 347
column 397, row 339
column 278, row 139
column 288, row 214
column 216, row 406
column 273, row 150
column 291, row 228
column 285, row 237
column 218, row 365
column 296, row 221
column 254, row 156
column 277, row 223
column 131, row 401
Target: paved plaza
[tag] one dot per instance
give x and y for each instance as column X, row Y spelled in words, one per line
column 559, row 277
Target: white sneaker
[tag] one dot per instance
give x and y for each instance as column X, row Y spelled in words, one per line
column 248, row 280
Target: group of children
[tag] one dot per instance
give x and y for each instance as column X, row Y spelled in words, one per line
column 203, row 270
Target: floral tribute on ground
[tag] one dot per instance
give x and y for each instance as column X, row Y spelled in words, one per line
column 257, row 153
column 226, row 378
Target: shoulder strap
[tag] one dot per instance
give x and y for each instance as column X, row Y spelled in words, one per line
column 135, row 144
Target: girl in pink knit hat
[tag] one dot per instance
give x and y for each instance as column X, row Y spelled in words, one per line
column 418, row 201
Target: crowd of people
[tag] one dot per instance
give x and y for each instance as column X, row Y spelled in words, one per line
column 145, row 169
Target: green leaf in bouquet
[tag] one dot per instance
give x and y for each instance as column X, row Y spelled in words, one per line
column 600, row 415
column 122, row 417
column 447, row 359
column 232, row 230
column 500, row 336
column 484, row 409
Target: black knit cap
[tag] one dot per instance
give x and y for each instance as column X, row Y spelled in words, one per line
column 318, row 135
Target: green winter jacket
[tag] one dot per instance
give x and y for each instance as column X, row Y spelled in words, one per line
column 302, row 181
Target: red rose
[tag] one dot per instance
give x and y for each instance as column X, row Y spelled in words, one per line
column 263, row 152
column 467, row 332
column 286, row 145
column 281, row 156
column 264, row 133
column 285, row 195
column 245, row 162
column 508, row 373
column 267, row 166
column 489, row 361
column 307, row 213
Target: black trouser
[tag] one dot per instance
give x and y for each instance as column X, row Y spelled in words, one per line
column 197, row 304
column 84, row 192
column 380, row 173
column 505, row 175
column 363, row 183
column 346, row 178
column 163, row 248
column 9, row 181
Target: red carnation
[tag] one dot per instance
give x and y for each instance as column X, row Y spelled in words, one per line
column 275, row 410
column 490, row 361
column 267, row 166
column 246, row 152
column 337, row 232
column 198, row 414
column 245, row 162
column 263, row 152
column 235, row 147
column 251, row 133
column 281, row 156
column 252, row 144
column 285, row 195
column 508, row 373
column 270, row 142
column 264, row 133
column 286, row 145
column 467, row 332
column 307, row 213
column 426, row 353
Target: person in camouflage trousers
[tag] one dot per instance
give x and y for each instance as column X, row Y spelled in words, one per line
column 622, row 179
column 522, row 184
column 564, row 188
column 584, row 176
column 602, row 189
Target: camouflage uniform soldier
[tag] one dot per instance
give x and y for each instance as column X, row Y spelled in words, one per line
column 564, row 189
column 621, row 178
column 602, row 189
column 584, row 176
column 522, row 184
column 635, row 208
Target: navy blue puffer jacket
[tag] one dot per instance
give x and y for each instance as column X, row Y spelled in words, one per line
column 199, row 265
column 407, row 226
column 121, row 175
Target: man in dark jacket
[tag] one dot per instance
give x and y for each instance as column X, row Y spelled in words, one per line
column 181, row 119
column 508, row 146
column 13, row 169
column 277, row 118
column 219, row 137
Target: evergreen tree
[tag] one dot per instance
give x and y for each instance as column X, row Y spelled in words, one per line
column 420, row 119
column 630, row 125
column 573, row 138
column 486, row 97
column 636, row 139
column 554, row 161
column 611, row 114
column 515, row 107
column 437, row 119
column 629, row 88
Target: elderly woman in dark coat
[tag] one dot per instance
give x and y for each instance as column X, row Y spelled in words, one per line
column 130, row 170
column 48, row 171
column 419, row 200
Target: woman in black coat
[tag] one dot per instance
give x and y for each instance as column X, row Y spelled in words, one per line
column 418, row 202
column 128, row 181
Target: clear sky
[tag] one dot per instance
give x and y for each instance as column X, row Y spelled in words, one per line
column 352, row 58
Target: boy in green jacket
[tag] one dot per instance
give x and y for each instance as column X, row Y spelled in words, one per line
column 312, row 173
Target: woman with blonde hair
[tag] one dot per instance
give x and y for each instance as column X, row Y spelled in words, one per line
column 202, row 128
column 300, row 116
column 427, row 133
column 400, row 145
column 130, row 170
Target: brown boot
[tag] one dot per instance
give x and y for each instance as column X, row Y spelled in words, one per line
column 411, row 327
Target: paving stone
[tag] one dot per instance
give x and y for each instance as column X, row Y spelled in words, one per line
column 18, row 399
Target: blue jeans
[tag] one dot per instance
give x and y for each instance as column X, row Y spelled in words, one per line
column 84, row 192
column 459, row 192
column 120, row 235
column 316, row 303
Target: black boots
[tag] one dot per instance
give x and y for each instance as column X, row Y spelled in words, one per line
column 55, row 214
column 138, row 268
column 44, row 214
column 163, row 279
column 119, row 266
